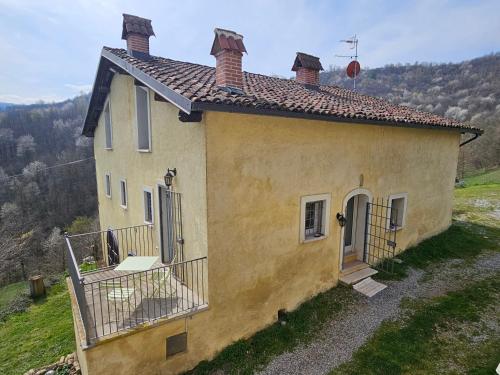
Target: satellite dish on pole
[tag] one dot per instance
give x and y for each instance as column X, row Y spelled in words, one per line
column 353, row 69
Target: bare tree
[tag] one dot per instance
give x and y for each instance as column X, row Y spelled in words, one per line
column 26, row 145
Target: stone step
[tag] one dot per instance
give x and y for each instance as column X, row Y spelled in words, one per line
column 351, row 267
column 369, row 287
column 355, row 277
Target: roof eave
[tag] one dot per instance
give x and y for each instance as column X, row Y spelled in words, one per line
column 218, row 107
column 187, row 106
column 90, row 123
column 178, row 100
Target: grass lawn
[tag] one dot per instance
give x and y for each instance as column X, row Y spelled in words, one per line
column 460, row 241
column 39, row 336
column 478, row 204
column 10, row 292
column 479, row 201
column 448, row 334
column 490, row 177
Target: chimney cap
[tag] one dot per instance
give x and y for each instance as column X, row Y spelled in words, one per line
column 303, row 60
column 136, row 25
column 227, row 40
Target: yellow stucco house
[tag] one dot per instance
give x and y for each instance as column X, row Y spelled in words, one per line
column 227, row 196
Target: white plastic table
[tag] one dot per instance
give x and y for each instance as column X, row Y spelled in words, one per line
column 135, row 263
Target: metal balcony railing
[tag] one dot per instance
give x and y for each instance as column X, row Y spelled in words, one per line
column 110, row 300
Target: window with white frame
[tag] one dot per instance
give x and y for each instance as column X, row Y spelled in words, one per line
column 314, row 217
column 143, row 118
column 398, row 203
column 123, row 193
column 107, row 126
column 148, row 205
column 107, row 184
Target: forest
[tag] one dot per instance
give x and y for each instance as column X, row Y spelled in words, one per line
column 37, row 205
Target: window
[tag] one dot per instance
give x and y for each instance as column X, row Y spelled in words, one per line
column 148, row 205
column 107, row 126
column 143, row 120
column 107, row 185
column 123, row 193
column 397, row 203
column 314, row 217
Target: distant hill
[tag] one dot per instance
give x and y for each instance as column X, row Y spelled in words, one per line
column 4, row 105
column 468, row 91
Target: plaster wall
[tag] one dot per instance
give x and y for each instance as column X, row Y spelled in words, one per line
column 174, row 144
column 245, row 209
column 259, row 167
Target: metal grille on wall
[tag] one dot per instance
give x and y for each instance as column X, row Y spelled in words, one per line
column 380, row 235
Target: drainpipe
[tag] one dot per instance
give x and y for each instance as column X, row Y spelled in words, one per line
column 476, row 135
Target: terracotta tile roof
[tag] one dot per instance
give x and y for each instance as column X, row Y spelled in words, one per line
column 263, row 93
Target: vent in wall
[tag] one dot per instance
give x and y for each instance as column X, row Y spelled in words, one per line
column 176, row 344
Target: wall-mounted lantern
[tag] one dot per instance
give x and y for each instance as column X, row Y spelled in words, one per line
column 169, row 176
column 341, row 218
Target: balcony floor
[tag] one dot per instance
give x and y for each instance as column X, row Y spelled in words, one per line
column 119, row 300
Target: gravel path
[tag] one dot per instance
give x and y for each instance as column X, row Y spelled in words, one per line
column 343, row 336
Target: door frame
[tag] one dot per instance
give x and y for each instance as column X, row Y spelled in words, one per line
column 354, row 221
column 159, row 184
column 349, row 195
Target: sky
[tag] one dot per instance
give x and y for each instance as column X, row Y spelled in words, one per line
column 49, row 49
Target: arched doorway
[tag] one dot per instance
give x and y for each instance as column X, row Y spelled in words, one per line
column 353, row 233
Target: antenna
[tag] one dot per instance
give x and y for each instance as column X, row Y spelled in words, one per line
column 353, row 68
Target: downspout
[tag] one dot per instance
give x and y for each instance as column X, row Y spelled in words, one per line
column 476, row 135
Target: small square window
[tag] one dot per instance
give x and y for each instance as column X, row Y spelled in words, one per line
column 148, row 205
column 314, row 219
column 107, row 185
column 315, row 214
column 123, row 193
column 397, row 204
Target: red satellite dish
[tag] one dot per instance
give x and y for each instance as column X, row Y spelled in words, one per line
column 353, row 69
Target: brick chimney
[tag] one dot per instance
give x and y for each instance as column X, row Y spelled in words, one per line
column 228, row 50
column 136, row 31
column 307, row 69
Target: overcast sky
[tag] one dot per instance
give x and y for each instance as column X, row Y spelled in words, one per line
column 49, row 49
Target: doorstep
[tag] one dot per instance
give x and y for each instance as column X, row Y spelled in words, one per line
column 353, row 266
column 351, row 278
